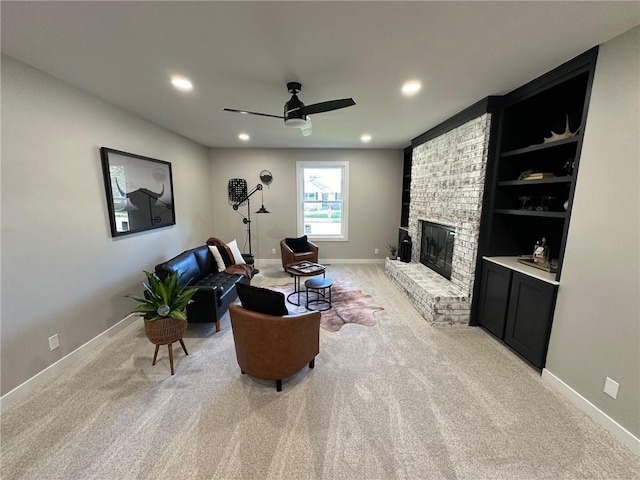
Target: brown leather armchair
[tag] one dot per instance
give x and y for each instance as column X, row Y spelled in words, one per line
column 289, row 256
column 273, row 348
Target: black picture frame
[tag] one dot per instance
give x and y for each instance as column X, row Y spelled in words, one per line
column 139, row 192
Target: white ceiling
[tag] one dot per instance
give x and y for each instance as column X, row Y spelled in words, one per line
column 241, row 54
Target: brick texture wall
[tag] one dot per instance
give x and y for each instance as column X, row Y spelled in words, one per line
column 447, row 183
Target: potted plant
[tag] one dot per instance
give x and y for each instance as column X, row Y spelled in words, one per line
column 163, row 310
column 393, row 251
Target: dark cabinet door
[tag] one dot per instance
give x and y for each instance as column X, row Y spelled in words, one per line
column 531, row 305
column 494, row 297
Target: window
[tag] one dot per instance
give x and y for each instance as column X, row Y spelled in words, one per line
column 322, row 200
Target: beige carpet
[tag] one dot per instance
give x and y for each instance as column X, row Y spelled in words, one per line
column 348, row 305
column 398, row 400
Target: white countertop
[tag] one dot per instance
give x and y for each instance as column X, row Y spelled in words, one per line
column 513, row 264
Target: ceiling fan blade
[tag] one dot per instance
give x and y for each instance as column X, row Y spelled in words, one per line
column 246, row 112
column 327, row 106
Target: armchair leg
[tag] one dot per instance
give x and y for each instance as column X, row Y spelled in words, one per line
column 279, row 385
column 218, row 325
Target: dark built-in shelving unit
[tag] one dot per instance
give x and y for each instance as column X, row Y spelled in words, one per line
column 406, row 194
column 516, row 212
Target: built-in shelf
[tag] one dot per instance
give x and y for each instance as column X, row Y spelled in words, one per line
column 542, row 181
column 531, row 213
column 541, row 146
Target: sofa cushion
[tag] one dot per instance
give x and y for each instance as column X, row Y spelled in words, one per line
column 223, row 256
column 185, row 264
column 298, row 245
column 262, row 300
column 235, row 251
column 206, row 262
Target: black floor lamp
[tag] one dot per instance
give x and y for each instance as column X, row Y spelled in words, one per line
column 247, row 220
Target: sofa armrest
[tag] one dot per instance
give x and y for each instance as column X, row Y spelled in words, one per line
column 205, row 305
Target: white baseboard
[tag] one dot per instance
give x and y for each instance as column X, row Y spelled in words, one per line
column 617, row 430
column 324, row 261
column 54, row 370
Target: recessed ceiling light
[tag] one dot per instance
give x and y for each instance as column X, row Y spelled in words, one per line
column 365, row 138
column 411, row 87
column 182, row 83
column 244, row 137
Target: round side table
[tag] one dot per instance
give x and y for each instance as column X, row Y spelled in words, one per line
column 322, row 288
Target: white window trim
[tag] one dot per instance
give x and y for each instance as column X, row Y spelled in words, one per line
column 300, row 165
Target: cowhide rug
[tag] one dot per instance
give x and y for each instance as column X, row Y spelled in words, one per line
column 349, row 305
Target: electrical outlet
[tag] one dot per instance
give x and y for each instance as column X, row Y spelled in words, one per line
column 54, row 342
column 611, row 388
column 376, row 251
column 273, row 251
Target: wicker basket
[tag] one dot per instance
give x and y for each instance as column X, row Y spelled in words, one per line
column 164, row 331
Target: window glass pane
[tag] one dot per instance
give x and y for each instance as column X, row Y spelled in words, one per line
column 322, row 201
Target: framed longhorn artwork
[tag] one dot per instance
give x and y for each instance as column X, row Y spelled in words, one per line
column 139, row 192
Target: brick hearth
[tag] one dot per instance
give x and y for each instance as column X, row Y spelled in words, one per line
column 436, row 298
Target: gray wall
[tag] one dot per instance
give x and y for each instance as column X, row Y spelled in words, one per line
column 596, row 325
column 61, row 270
column 375, row 183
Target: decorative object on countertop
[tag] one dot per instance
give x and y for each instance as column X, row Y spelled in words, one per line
column 541, row 253
column 529, row 261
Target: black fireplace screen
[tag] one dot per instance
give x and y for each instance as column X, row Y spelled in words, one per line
column 436, row 247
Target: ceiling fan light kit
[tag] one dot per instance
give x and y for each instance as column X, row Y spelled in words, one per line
column 295, row 122
column 296, row 113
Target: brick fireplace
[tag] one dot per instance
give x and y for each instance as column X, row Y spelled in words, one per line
column 447, row 184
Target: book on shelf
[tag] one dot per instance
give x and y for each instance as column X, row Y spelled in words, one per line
column 539, row 175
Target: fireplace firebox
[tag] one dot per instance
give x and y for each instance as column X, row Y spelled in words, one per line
column 436, row 247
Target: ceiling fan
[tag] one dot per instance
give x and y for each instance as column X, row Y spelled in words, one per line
column 296, row 114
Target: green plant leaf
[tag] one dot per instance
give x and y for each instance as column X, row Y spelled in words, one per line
column 178, row 315
column 163, row 292
column 140, row 299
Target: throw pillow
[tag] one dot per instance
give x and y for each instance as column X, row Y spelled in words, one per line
column 298, row 245
column 235, row 251
column 262, row 300
column 223, row 256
